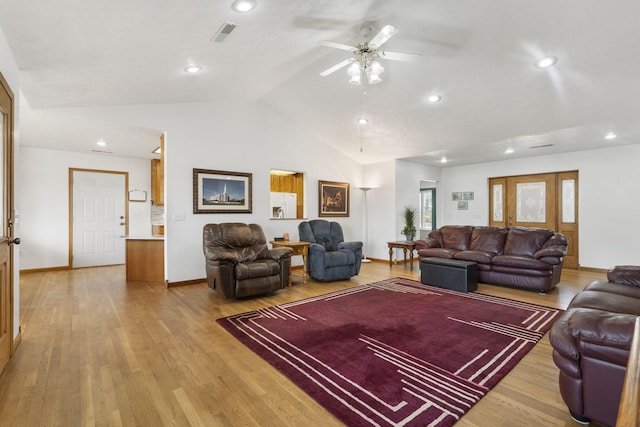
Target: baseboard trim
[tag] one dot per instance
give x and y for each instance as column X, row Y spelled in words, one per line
column 185, row 283
column 593, row 270
column 44, row 270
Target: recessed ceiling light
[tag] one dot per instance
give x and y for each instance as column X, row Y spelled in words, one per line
column 434, row 98
column 508, row 150
column 443, row 159
column 192, row 69
column 243, row 6
column 101, row 143
column 610, row 135
column 546, row 62
column 363, row 121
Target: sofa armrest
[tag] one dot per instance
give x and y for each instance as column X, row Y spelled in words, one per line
column 625, row 275
column 551, row 251
column 279, row 253
column 426, row 243
column 603, row 328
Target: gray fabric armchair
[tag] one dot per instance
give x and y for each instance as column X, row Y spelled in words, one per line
column 330, row 257
column 239, row 263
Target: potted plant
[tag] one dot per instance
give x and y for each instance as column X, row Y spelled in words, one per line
column 409, row 214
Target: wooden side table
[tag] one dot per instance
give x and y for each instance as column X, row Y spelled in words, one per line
column 299, row 248
column 405, row 246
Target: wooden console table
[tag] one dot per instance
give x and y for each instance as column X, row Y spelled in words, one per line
column 299, row 248
column 405, row 246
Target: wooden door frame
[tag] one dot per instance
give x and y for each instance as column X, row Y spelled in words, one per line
column 8, row 150
column 558, row 211
column 126, row 204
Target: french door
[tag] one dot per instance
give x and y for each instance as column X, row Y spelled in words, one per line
column 6, row 223
column 547, row 200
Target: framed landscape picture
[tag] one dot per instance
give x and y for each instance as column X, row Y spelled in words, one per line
column 221, row 192
column 333, row 198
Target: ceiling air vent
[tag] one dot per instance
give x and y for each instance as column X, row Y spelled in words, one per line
column 224, row 31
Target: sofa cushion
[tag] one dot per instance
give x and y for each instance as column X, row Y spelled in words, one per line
column 456, row 236
column 519, row 262
column 260, row 268
column 480, row 257
column 610, row 302
column 488, row 239
column 437, row 253
column 339, row 257
column 526, row 241
column 614, row 288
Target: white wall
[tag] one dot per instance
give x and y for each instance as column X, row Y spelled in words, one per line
column 234, row 136
column 43, row 196
column 608, row 202
column 395, row 184
column 11, row 73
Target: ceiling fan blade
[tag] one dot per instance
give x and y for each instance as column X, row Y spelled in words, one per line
column 336, row 67
column 338, row 45
column 400, row 56
column 385, row 34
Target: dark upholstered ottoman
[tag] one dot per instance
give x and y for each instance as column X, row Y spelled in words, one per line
column 449, row 274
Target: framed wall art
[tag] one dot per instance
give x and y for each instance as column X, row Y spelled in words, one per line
column 463, row 205
column 221, row 192
column 467, row 195
column 333, row 198
column 455, row 196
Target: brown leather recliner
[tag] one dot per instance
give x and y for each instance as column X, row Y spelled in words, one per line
column 591, row 343
column 239, row 263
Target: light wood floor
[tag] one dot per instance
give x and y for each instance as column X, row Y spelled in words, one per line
column 98, row 351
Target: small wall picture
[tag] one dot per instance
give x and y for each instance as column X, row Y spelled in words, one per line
column 463, row 205
column 456, row 196
column 467, row 195
column 333, row 198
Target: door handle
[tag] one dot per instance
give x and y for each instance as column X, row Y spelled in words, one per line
column 15, row 241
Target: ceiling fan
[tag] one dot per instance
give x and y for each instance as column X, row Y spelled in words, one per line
column 366, row 57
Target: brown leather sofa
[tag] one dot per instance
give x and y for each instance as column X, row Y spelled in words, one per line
column 591, row 343
column 239, row 263
column 517, row 256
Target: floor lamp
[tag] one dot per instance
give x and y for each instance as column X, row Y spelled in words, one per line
column 366, row 224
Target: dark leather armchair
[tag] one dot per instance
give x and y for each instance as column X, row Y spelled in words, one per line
column 239, row 263
column 591, row 343
column 330, row 257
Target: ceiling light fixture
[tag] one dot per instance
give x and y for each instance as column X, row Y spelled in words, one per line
column 546, row 62
column 101, row 143
column 443, row 159
column 192, row 69
column 243, row 6
column 610, row 135
column 363, row 121
column 434, row 99
column 508, row 150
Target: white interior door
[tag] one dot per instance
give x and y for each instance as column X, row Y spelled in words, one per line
column 99, row 218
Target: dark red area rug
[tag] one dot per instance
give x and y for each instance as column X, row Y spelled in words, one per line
column 395, row 352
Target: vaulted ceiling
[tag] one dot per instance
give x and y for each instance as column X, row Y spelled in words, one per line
column 478, row 55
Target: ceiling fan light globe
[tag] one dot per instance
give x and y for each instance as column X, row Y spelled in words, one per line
column 355, row 80
column 373, row 78
column 376, row 68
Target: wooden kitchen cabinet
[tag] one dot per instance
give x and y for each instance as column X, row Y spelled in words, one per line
column 157, row 182
column 145, row 260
